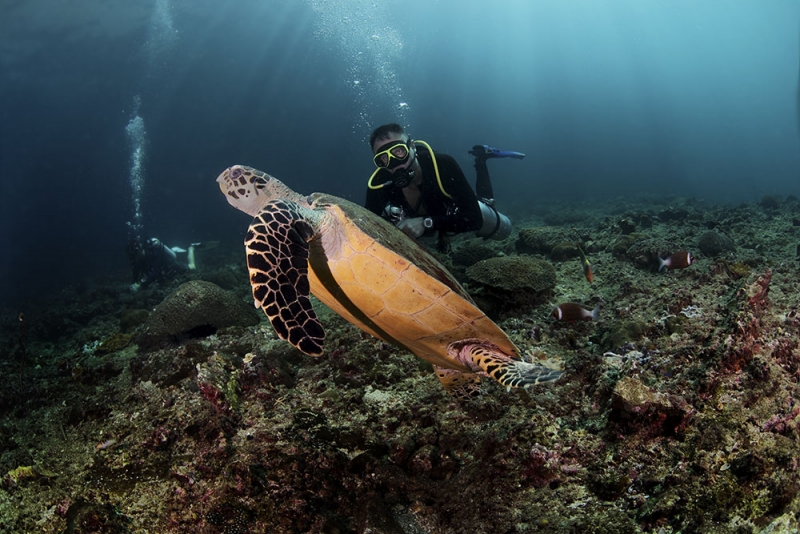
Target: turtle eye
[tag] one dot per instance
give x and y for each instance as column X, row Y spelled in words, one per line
column 236, row 173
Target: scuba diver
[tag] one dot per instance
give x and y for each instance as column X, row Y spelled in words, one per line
column 152, row 261
column 422, row 191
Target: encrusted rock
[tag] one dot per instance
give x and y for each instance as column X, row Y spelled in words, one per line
column 620, row 247
column 638, row 408
column 565, row 251
column 509, row 282
column 626, row 226
column 644, row 253
column 620, row 332
column 543, row 239
column 632, row 397
column 713, row 243
column 132, row 319
column 471, row 253
column 113, row 343
column 195, row 309
column 514, row 274
column 674, row 213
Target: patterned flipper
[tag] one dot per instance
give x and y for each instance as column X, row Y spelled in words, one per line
column 509, row 371
column 277, row 258
column 458, row 384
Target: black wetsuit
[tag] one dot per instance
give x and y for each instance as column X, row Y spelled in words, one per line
column 460, row 213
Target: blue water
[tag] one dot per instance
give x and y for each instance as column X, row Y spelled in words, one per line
column 608, row 98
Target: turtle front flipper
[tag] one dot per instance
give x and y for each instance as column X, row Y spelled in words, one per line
column 507, row 370
column 277, row 259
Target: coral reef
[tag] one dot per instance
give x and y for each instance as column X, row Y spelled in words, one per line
column 195, row 308
column 713, row 243
column 678, row 410
column 472, row 252
column 132, row 319
column 511, row 282
column 543, row 239
column 113, row 343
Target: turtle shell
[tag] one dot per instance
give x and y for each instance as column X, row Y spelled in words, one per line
column 389, row 286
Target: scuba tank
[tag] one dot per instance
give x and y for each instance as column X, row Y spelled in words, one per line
column 495, row 225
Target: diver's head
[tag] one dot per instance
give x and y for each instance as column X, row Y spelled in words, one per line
column 385, row 132
column 394, row 152
column 153, row 243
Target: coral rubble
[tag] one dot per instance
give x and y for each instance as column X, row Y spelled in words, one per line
column 678, row 411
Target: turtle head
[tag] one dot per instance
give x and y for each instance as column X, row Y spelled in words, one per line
column 249, row 189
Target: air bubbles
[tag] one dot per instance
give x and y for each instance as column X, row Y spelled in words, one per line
column 161, row 38
column 137, row 140
column 372, row 49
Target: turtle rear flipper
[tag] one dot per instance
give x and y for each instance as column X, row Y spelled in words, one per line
column 508, row 371
column 459, row 384
column 277, row 259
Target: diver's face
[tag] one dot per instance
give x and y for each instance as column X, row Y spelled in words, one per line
column 384, row 143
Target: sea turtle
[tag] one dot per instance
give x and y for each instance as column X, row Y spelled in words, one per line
column 373, row 275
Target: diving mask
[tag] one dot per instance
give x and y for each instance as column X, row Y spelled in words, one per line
column 392, row 154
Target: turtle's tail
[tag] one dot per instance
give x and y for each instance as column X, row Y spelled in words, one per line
column 509, row 372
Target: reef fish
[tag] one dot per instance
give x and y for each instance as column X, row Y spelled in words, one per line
column 679, row 260
column 571, row 312
column 587, row 269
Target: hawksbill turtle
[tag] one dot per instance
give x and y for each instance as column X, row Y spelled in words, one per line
column 374, row 276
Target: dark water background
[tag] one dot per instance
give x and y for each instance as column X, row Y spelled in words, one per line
column 608, row 98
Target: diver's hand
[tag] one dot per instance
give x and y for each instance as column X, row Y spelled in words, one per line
column 414, row 227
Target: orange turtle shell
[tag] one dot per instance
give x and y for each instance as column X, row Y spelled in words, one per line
column 385, row 283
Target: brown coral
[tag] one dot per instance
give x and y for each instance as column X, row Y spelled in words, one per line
column 196, row 308
column 511, row 282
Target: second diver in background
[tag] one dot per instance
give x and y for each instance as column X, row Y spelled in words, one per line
column 151, row 260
